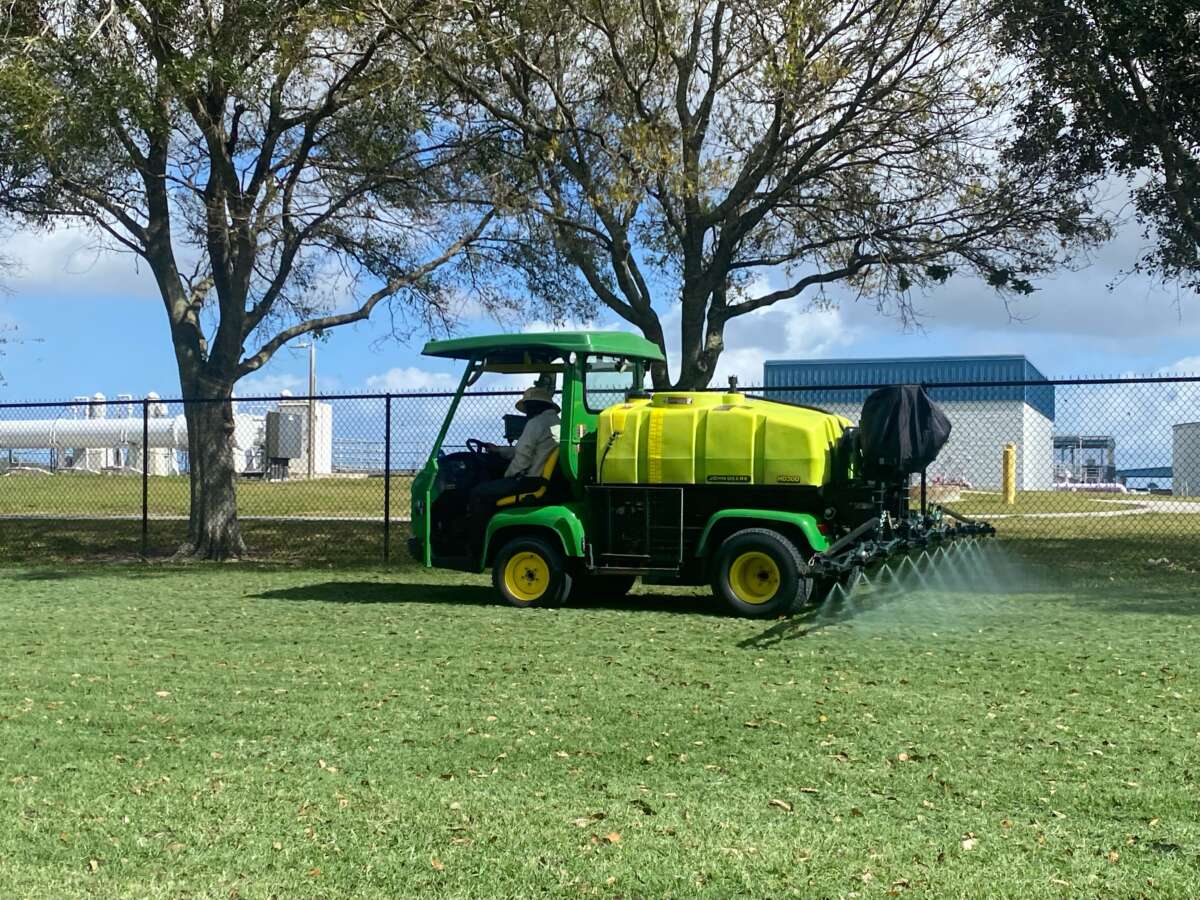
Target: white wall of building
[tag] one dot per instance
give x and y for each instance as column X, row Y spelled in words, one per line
column 979, row 429
column 322, row 443
column 1035, row 453
column 1185, row 460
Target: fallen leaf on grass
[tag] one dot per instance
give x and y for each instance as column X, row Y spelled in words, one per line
column 276, row 845
column 612, row 837
column 903, row 757
column 1113, row 856
column 969, row 842
column 93, row 865
column 781, row 804
column 162, row 693
column 437, row 864
column 314, row 872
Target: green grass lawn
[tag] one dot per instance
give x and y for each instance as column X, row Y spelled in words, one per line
column 1034, row 502
column 99, row 495
column 80, row 494
column 241, row 731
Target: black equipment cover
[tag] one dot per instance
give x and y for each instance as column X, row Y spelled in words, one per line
column 902, row 430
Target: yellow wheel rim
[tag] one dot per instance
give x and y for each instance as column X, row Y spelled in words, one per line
column 527, row 576
column 754, row 577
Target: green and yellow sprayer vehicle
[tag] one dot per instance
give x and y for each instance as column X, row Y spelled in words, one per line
column 768, row 502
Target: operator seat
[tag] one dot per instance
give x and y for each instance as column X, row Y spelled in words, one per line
column 537, row 485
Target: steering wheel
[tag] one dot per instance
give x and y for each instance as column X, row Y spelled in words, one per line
column 476, row 446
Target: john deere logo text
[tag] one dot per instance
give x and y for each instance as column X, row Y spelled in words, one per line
column 730, row 479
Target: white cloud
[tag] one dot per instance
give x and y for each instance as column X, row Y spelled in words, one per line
column 541, row 326
column 1189, row 365
column 410, row 379
column 271, row 385
column 70, row 261
column 792, row 330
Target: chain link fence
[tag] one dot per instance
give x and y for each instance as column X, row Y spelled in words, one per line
column 326, row 480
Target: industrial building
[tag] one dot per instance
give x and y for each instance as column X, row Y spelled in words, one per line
column 984, row 415
column 1085, row 459
column 94, row 435
column 1185, row 460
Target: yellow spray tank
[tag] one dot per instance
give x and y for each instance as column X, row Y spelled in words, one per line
column 713, row 438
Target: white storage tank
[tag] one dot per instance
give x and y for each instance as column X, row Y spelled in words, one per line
column 1185, row 460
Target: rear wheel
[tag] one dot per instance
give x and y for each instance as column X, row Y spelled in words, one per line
column 530, row 571
column 760, row 574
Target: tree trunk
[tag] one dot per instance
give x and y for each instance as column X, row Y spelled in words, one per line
column 213, row 528
column 702, row 338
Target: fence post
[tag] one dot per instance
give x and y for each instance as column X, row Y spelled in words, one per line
column 387, row 476
column 1008, row 474
column 145, row 476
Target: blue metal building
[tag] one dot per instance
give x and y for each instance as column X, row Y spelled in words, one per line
column 991, row 401
column 819, row 380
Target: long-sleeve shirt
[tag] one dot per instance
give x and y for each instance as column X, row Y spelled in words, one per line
column 534, row 447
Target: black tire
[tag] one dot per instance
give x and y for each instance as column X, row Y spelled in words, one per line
column 531, row 571
column 590, row 586
column 759, row 574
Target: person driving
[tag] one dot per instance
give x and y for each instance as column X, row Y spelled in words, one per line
column 528, row 456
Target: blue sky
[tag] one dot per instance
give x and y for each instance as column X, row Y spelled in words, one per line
column 89, row 321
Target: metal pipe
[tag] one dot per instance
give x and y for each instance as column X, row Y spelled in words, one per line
column 844, row 542
column 36, row 434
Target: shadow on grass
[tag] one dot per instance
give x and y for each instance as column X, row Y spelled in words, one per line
column 477, row 595
column 135, row 569
column 86, row 543
column 797, row 626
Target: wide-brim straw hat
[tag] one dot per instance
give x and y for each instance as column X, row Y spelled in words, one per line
column 535, row 393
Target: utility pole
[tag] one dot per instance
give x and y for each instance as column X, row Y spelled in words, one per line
column 312, row 407
column 311, row 346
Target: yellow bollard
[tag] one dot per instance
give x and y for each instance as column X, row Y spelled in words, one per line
column 1008, row 474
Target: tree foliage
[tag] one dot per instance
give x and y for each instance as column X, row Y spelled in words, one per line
column 282, row 166
column 1115, row 89
column 735, row 154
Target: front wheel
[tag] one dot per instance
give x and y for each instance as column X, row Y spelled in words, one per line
column 760, row 574
column 530, row 571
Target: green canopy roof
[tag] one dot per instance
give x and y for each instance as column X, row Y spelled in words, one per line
column 556, row 343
